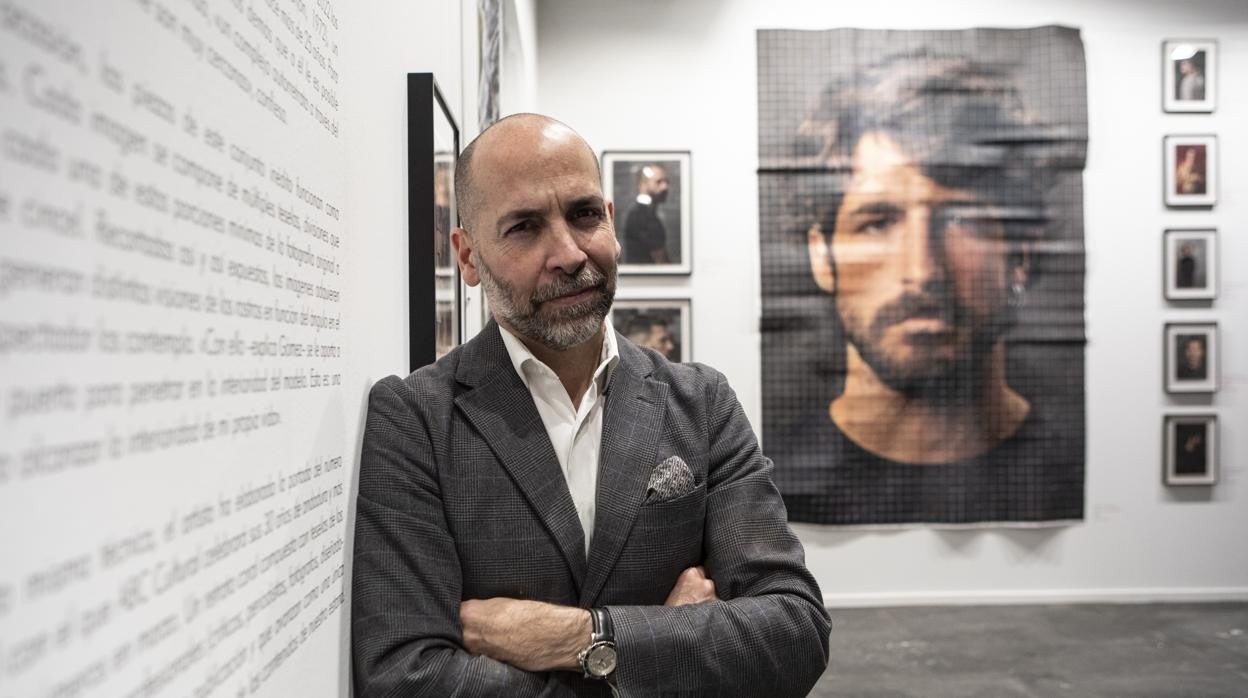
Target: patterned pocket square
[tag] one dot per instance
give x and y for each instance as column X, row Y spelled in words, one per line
column 669, row 480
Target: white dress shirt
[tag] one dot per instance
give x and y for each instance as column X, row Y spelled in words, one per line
column 576, row 434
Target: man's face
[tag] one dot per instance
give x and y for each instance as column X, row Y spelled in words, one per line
column 920, row 271
column 1194, row 353
column 660, row 340
column 542, row 242
column 654, row 183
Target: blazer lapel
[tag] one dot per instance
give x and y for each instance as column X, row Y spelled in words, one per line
column 502, row 410
column 631, row 429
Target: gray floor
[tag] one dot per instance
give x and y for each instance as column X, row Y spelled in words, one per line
column 1039, row 651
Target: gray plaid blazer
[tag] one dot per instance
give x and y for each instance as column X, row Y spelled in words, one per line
column 461, row 497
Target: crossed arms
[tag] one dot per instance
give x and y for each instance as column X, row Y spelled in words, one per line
column 415, row 634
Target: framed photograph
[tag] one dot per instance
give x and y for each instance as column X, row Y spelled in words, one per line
column 1191, row 264
column 653, row 204
column 434, row 295
column 1189, row 76
column 1191, row 357
column 1191, row 170
column 1191, row 449
column 662, row 324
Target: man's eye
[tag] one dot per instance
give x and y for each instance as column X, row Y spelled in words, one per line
column 972, row 222
column 589, row 214
column 876, row 225
column 521, row 227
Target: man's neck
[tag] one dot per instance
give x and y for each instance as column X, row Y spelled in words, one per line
column 574, row 366
column 914, row 430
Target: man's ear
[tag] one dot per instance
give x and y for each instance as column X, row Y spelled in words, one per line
column 1019, row 265
column 611, row 222
column 820, row 261
column 462, row 243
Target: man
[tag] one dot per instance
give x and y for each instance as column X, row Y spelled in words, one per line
column 926, row 252
column 549, row 467
column 1191, row 81
column 651, row 331
column 1192, row 364
column 1186, row 268
column 645, row 236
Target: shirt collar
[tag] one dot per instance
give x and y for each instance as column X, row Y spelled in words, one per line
column 644, row 199
column 521, row 356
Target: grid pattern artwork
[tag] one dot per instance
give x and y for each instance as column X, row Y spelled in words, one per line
column 922, row 273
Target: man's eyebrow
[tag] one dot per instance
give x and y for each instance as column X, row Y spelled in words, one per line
column 875, row 208
column 589, row 200
column 519, row 214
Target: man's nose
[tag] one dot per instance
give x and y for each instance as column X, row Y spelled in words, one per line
column 922, row 249
column 564, row 253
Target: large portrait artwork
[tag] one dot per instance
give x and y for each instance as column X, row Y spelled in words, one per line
column 922, row 274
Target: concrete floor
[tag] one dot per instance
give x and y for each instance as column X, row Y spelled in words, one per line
column 1142, row 651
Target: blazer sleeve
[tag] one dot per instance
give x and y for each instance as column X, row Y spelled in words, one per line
column 406, row 585
column 769, row 631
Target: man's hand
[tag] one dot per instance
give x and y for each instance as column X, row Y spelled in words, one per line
column 529, row 635
column 692, row 586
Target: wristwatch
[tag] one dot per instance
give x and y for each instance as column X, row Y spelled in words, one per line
column 598, row 660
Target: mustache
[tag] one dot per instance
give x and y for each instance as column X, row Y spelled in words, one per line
column 588, row 277
column 935, row 304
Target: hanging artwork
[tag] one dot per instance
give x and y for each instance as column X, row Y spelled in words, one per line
column 1189, row 75
column 662, row 324
column 922, row 274
column 434, row 287
column 653, row 198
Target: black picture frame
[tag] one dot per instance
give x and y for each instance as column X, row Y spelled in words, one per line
column 434, row 289
column 1192, row 357
column 1191, row 170
column 1190, row 449
column 1191, row 264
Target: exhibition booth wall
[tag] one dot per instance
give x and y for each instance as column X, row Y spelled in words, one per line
column 204, row 209
column 683, row 77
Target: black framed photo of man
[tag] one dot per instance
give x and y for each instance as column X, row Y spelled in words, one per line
column 1191, row 357
column 434, row 286
column 1191, row 264
column 1190, row 454
column 1189, row 75
column 662, row 324
column 653, row 203
column 920, row 203
column 1191, row 170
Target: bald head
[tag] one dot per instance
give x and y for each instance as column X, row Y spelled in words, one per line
column 509, row 138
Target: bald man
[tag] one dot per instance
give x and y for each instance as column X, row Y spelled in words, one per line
column 550, row 510
column 645, row 236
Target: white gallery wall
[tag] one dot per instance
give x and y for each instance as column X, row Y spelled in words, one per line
column 203, row 236
column 651, row 74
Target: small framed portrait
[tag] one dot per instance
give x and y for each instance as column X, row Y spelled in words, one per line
column 662, row 324
column 1191, row 449
column 1189, row 76
column 1191, row 264
column 653, row 204
column 1191, row 170
column 1191, row 357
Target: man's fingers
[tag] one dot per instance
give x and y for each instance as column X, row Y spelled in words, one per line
column 692, row 586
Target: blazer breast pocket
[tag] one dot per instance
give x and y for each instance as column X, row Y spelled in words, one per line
column 666, row 539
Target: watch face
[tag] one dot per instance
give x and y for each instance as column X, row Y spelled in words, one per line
column 601, row 660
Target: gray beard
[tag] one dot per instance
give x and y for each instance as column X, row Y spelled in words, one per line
column 557, row 330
